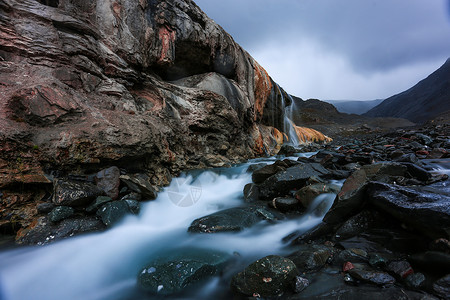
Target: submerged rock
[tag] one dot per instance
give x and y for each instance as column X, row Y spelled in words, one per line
column 233, row 219
column 266, row 277
column 177, row 270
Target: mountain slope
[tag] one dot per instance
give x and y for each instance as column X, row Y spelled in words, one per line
column 424, row 101
column 354, row 107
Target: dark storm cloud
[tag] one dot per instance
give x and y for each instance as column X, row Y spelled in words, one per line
column 373, row 35
column 351, row 49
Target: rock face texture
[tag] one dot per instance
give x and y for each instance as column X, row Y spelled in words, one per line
column 424, row 101
column 137, row 84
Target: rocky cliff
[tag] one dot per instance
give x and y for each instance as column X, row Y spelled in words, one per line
column 139, row 84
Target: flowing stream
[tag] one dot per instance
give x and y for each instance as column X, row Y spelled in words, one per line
column 105, row 265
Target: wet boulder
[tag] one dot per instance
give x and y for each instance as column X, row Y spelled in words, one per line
column 351, row 198
column 374, row 277
column 175, row 271
column 285, row 204
column 294, row 177
column 265, row 172
column 140, row 183
column 307, row 194
column 233, row 219
column 251, row 192
column 109, row 180
column 442, row 287
column 71, row 193
column 269, row 276
column 42, row 231
column 310, row 257
column 60, row 213
column 99, row 201
column 427, row 212
column 112, row 212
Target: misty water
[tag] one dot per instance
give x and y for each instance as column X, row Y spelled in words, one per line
column 105, row 265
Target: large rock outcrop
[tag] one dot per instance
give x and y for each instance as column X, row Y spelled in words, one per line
column 138, row 84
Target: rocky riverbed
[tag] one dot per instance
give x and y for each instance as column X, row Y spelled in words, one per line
column 379, row 206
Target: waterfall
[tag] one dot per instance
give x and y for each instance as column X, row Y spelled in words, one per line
column 288, row 114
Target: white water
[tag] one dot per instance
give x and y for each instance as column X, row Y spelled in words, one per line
column 105, row 265
column 288, row 123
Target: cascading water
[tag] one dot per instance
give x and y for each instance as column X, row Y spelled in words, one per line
column 105, row 265
column 288, row 123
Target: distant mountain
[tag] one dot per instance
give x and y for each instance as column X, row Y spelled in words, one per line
column 424, row 101
column 354, row 106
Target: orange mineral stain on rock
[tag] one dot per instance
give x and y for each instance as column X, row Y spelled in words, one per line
column 263, row 86
column 167, row 38
column 306, row 135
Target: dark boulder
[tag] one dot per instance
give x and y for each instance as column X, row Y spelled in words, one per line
column 294, row 177
column 175, row 271
column 109, row 180
column 251, row 192
column 351, row 198
column 269, row 276
column 427, row 212
column 285, row 204
column 112, row 212
column 71, row 193
column 432, row 261
column 60, row 213
column 374, row 277
column 265, row 172
column 442, row 287
column 140, row 183
column 99, row 201
column 43, row 231
column 310, row 257
column 233, row 219
column 307, row 194
column 355, row 225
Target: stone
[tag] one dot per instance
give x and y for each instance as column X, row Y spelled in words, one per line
column 269, row 276
column 251, row 192
column 353, row 255
column 287, row 150
column 401, row 269
column 140, row 183
column 301, row 284
column 307, row 194
column 294, row 177
column 113, row 212
column 265, row 172
column 285, row 204
column 99, row 201
column 355, row 225
column 71, row 193
column 418, row 172
column 44, row 208
column 175, row 271
column 415, row 281
column 427, row 212
column 310, row 257
column 42, row 231
column 442, row 287
column 134, row 206
column 347, row 266
column 109, row 180
column 374, row 277
column 233, row 219
column 60, row 213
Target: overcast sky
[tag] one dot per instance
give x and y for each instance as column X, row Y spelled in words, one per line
column 340, row 49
